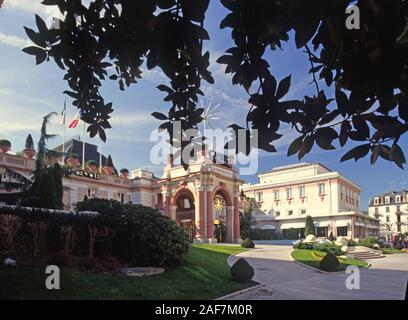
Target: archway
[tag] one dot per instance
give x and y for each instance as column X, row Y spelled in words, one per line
column 184, row 205
column 222, row 215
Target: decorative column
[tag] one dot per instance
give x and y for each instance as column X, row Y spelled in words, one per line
column 166, row 201
column 200, row 234
column 210, row 213
column 235, row 219
column 230, row 223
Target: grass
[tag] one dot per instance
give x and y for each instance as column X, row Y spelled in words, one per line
column 312, row 258
column 391, row 251
column 204, row 274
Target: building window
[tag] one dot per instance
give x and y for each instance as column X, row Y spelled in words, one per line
column 387, row 209
column 342, row 231
column 321, row 189
column 277, row 213
column 91, row 193
column 387, row 218
column 303, row 211
column 259, row 196
column 160, row 198
column 290, row 213
column 398, row 208
column 387, row 200
column 289, row 193
column 276, row 194
column 121, row 197
column 302, row 191
column 397, row 199
column 376, row 201
column 376, row 211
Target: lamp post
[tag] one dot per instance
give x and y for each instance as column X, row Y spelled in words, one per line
column 218, row 223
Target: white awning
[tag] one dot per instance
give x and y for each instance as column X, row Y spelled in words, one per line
column 321, row 223
column 268, row 227
column 288, row 225
column 360, row 224
column 341, row 224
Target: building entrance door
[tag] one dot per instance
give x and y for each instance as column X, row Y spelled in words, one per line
column 189, row 226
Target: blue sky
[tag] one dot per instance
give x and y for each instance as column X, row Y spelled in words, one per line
column 28, row 92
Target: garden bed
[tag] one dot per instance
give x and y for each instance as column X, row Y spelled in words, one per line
column 312, row 259
column 391, row 251
column 204, row 274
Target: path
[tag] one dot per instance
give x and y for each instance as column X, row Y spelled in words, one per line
column 285, row 279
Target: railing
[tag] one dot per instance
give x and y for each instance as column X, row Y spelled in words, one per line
column 17, row 162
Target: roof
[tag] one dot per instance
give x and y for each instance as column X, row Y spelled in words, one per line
column 392, row 195
column 295, row 166
column 75, row 146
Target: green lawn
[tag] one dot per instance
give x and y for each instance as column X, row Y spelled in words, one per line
column 312, row 258
column 204, row 274
column 391, row 251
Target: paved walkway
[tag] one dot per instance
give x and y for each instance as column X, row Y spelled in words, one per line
column 285, row 279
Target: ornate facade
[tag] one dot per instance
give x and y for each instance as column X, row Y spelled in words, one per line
column 204, row 199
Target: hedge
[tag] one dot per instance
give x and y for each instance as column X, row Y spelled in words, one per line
column 137, row 235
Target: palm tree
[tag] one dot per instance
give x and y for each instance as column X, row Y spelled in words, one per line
column 44, row 188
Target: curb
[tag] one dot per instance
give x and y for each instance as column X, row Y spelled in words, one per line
column 241, row 292
column 325, row 272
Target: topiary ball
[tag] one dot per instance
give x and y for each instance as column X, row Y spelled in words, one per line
column 248, row 243
column 242, row 271
column 329, row 262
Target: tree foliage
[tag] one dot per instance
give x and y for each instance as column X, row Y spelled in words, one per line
column 309, row 226
column 246, row 220
column 367, row 67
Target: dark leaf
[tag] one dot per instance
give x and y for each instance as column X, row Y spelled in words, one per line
column 357, row 153
column 325, row 137
column 295, row 146
column 159, row 116
column 283, row 88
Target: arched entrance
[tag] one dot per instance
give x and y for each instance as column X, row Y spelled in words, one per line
column 222, row 215
column 185, row 211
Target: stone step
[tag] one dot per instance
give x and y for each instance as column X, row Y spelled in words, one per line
column 367, row 255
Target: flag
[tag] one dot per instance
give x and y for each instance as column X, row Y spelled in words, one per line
column 74, row 122
column 63, row 112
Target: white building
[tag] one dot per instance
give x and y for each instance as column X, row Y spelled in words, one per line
column 392, row 210
column 287, row 195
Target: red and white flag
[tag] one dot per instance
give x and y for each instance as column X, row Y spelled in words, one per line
column 74, row 122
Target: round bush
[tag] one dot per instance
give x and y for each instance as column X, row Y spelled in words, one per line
column 329, row 262
column 242, row 271
column 144, row 237
column 248, row 243
column 147, row 238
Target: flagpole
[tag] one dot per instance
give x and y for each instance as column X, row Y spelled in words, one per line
column 100, row 156
column 64, row 124
column 83, row 149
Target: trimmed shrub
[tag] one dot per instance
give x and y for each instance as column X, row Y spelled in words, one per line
column 305, row 246
column 29, row 143
column 242, row 271
column 370, row 242
column 329, row 263
column 248, row 243
column 328, row 248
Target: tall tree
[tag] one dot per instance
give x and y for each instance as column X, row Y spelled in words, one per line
column 246, row 219
column 309, row 226
column 366, row 66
